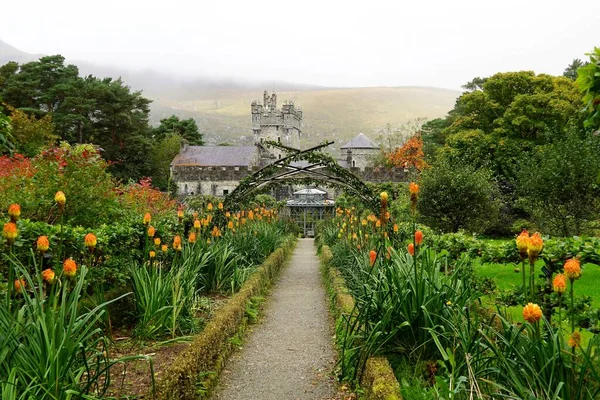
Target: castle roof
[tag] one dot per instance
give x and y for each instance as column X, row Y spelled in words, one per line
column 360, row 142
column 216, row 156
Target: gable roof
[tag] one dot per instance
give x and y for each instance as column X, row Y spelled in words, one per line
column 360, row 142
column 216, row 156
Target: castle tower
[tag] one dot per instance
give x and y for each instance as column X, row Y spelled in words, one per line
column 279, row 125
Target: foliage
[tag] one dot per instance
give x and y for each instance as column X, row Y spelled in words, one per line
column 588, row 80
column 559, row 185
column 6, row 139
column 571, row 70
column 78, row 171
column 455, row 196
column 31, row 134
column 184, row 128
column 409, row 155
column 140, row 198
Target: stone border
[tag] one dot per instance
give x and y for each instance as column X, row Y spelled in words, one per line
column 201, row 364
column 379, row 381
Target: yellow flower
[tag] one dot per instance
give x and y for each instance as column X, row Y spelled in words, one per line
column 395, row 228
column 14, row 211
column 523, row 243
column 164, row 248
column 157, row 242
column 69, row 267
column 151, row 231
column 192, row 237
column 48, row 275
column 378, row 223
column 90, row 241
column 197, row 224
column 10, row 232
column 220, row 206
column 230, row 225
column 60, row 198
column 572, row 269
column 209, row 207
column 180, row 214
column 559, row 283
column 575, row 339
column 147, row 218
column 532, row 313
column 152, row 254
column 43, row 244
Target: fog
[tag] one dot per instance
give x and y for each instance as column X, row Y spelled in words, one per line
column 329, row 43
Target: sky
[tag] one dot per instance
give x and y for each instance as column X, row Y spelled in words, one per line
column 327, row 42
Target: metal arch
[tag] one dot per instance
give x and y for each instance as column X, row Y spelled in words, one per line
column 281, row 171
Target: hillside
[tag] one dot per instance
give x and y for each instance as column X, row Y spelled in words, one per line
column 337, row 114
column 221, row 108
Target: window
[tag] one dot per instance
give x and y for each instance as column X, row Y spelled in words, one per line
column 280, row 156
column 278, row 139
column 225, row 192
column 353, row 163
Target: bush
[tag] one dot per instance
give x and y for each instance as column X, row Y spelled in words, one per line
column 454, row 197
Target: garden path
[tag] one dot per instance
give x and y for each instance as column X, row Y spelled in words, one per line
column 289, row 355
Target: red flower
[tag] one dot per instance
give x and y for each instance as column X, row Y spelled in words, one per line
column 372, row 257
column 418, row 237
column 411, row 249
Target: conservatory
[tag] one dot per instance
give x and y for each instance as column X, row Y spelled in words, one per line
column 309, row 206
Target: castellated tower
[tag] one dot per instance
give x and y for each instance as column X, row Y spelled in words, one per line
column 279, row 125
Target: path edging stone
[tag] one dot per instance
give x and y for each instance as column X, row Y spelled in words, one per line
column 203, row 361
column 379, row 381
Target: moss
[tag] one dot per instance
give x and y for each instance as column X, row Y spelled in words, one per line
column 379, row 381
column 202, row 362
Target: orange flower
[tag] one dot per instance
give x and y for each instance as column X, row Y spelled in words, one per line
column 164, row 248
column 523, row 243
column 413, row 188
column 10, row 232
column 418, row 237
column 20, row 285
column 227, row 214
column 43, row 244
column 575, row 339
column 378, row 223
column 197, row 224
column 560, row 283
column 411, row 249
column 572, row 269
column 192, row 237
column 250, row 214
column 372, row 257
column 151, row 231
column 230, row 225
column 69, row 267
column 48, row 275
column 90, row 241
column 147, row 218
column 535, row 244
column 60, row 199
column 395, row 228
column 180, row 214
column 220, row 206
column 209, row 207
column 532, row 313
column 157, row 242
column 152, row 254
column 177, row 242
column 195, row 215
column 363, row 222
column 14, row 211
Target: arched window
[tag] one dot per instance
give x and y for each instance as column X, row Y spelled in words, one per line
column 353, row 163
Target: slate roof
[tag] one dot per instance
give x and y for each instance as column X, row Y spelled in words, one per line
column 360, row 142
column 216, row 156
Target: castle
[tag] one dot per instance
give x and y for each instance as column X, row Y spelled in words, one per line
column 217, row 170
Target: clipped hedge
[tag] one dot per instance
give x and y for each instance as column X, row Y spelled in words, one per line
column 206, row 355
column 379, row 381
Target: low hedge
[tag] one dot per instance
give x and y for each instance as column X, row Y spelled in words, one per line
column 206, row 355
column 379, row 381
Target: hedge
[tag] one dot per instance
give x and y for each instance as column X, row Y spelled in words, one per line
column 202, row 362
column 379, row 381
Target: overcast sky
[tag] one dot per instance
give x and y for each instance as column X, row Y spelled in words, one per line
column 333, row 43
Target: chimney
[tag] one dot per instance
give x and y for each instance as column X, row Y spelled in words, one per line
column 183, row 145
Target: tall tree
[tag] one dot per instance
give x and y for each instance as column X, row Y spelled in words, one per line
column 185, row 128
column 589, row 84
column 31, row 134
column 571, row 70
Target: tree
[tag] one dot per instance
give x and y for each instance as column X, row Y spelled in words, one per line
column 409, row 155
column 30, row 134
column 6, row 144
column 559, row 185
column 458, row 196
column 163, row 152
column 571, row 71
column 589, row 84
column 186, row 129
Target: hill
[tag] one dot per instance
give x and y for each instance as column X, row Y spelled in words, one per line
column 336, row 113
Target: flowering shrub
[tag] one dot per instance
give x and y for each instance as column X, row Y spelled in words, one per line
column 141, row 197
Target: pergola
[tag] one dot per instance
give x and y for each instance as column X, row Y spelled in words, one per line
column 309, row 206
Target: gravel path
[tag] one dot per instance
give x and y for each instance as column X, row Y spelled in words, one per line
column 289, row 355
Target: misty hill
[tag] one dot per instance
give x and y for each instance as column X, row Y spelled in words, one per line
column 221, row 108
